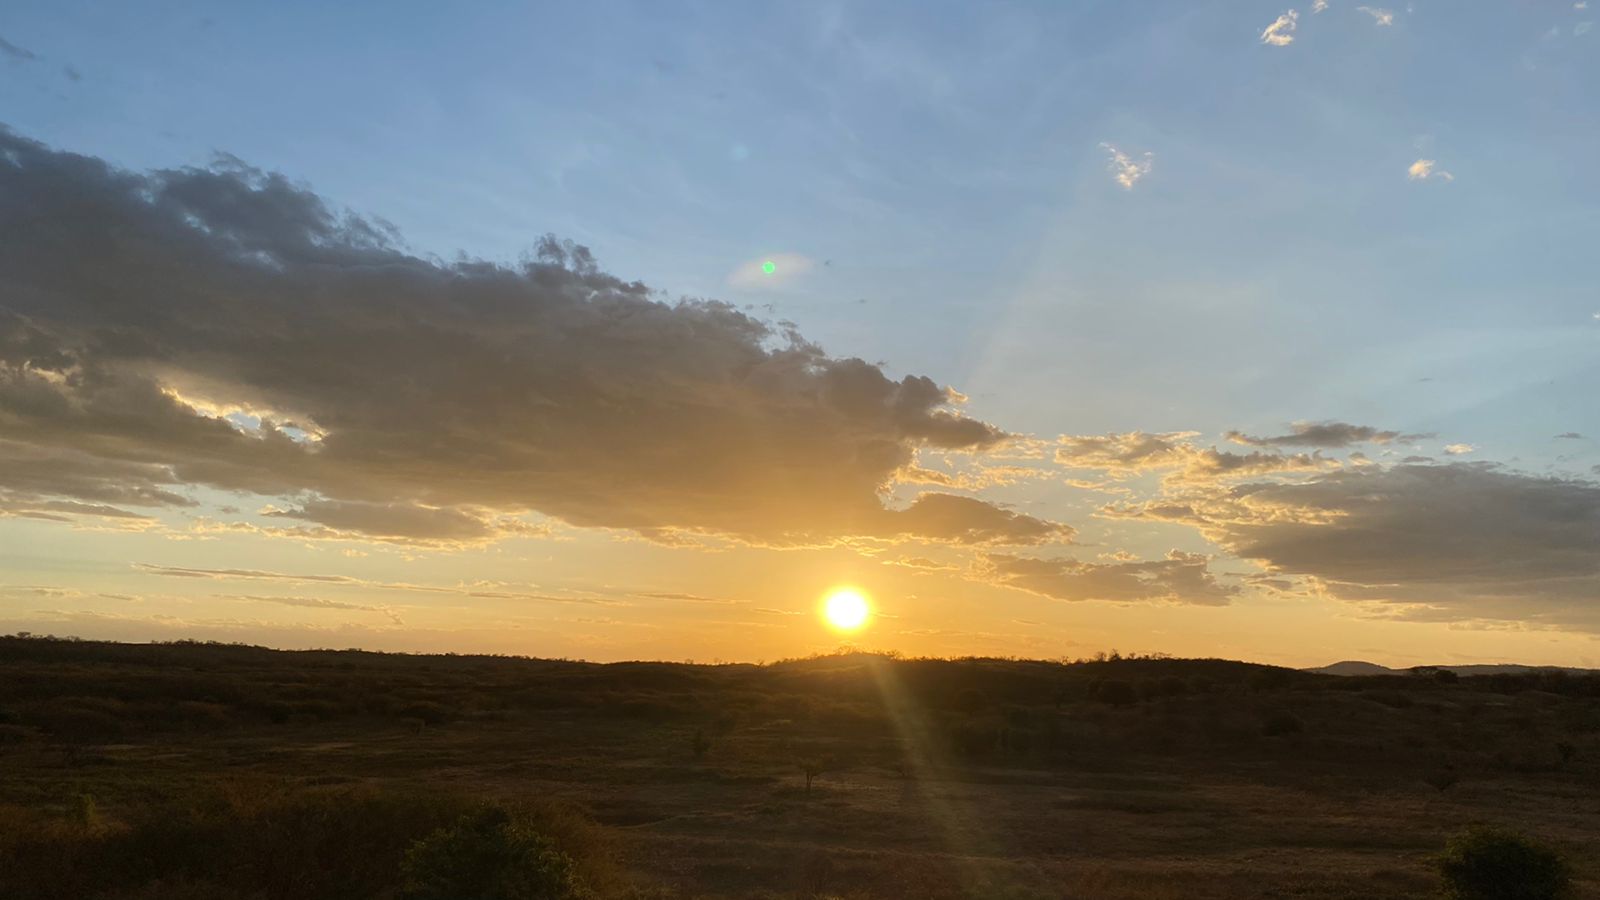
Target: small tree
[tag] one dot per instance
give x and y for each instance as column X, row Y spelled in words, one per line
column 811, row 767
column 87, row 813
column 1489, row 863
column 488, row 854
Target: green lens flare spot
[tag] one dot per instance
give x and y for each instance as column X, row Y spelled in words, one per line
column 768, row 267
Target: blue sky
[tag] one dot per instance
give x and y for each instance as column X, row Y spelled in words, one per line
column 941, row 176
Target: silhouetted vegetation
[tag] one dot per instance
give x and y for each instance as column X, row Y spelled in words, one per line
column 1488, row 863
column 338, row 763
column 266, row 839
column 488, row 853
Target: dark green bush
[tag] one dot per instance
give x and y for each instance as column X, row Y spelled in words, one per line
column 1490, row 863
column 489, row 855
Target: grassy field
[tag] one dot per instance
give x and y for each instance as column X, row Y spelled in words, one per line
column 198, row 770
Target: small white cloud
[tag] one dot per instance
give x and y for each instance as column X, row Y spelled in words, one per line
column 1318, row 6
column 1581, row 4
column 1458, row 449
column 1582, row 28
column 1127, row 170
column 772, row 271
column 1278, row 34
column 1423, row 169
column 1379, row 15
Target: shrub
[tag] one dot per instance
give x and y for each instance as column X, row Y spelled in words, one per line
column 1489, row 863
column 254, row 840
column 488, row 854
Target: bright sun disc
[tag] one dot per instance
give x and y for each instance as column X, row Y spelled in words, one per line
column 846, row 609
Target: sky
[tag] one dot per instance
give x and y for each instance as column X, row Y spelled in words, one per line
column 634, row 330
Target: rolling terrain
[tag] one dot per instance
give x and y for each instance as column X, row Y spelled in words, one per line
column 308, row 774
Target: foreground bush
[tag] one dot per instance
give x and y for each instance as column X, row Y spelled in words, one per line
column 260, row 841
column 1487, row 863
column 488, row 855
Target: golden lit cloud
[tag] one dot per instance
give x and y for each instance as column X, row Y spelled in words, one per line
column 1281, row 32
column 1423, row 169
column 1380, row 16
column 1127, row 170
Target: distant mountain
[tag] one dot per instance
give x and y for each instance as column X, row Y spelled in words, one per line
column 1356, row 667
column 1361, row 667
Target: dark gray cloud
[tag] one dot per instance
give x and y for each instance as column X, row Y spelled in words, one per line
column 13, row 52
column 33, row 507
column 224, row 327
column 1326, row 435
column 1569, row 436
column 1180, row 578
column 404, row 521
column 1458, row 541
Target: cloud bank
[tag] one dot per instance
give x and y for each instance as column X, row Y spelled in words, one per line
column 1460, row 541
column 223, row 327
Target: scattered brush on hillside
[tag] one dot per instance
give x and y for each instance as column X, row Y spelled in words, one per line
column 249, row 839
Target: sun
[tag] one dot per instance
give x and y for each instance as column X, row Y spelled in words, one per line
column 846, row 609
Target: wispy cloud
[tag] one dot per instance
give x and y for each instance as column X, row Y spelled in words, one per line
column 1379, row 15
column 1280, row 32
column 12, row 51
column 1423, row 169
column 314, row 603
column 479, row 590
column 1125, row 169
column 1318, row 6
